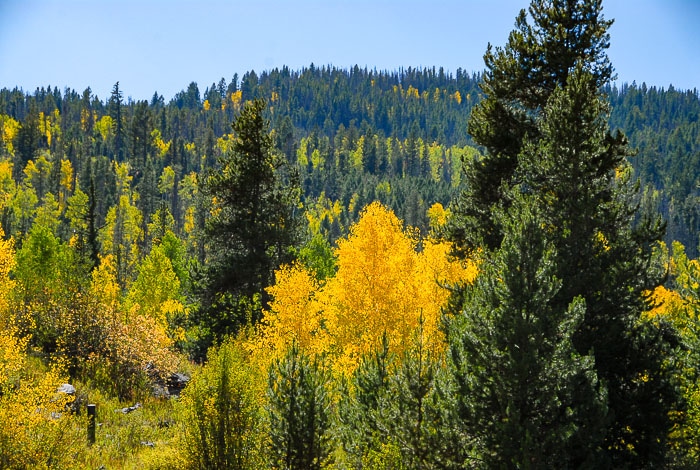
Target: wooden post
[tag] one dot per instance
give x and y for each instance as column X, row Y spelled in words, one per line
column 91, row 423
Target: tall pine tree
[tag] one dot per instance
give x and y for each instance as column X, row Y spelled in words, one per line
column 517, row 84
column 544, row 125
column 253, row 226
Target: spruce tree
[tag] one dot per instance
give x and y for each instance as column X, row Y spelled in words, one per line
column 252, row 228
column 115, row 111
column 526, row 396
column 299, row 411
column 517, row 84
column 549, row 147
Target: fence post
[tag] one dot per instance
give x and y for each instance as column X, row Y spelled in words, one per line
column 91, row 423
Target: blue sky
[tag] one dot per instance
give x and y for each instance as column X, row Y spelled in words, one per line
column 150, row 45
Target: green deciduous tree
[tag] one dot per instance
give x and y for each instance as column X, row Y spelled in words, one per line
column 223, row 415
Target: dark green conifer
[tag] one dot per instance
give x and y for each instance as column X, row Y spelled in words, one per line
column 253, row 227
column 299, row 412
column 550, row 150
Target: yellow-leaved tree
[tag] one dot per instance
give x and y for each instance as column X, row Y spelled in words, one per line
column 387, row 281
column 134, row 347
column 679, row 304
column 35, row 430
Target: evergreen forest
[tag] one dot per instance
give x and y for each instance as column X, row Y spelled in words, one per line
column 357, row 269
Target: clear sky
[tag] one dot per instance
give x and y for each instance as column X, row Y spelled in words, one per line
column 151, row 45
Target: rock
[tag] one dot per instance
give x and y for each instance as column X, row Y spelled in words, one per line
column 176, row 383
column 68, row 389
column 129, row 409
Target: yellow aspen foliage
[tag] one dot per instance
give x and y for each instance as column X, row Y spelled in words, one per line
column 666, row 303
column 45, row 127
column 206, row 105
column 9, row 128
column 135, row 345
column 105, row 126
column 372, row 291
column 236, row 98
column 166, row 182
column 437, row 216
column 156, row 291
column 225, row 143
column 35, row 429
column 681, row 307
column 383, row 284
column 357, row 155
column 66, row 183
column 317, row 159
column 412, row 92
column 122, row 235
column 322, row 209
column 37, row 174
column 352, row 206
column 383, row 189
column 435, row 158
column 12, row 357
column 158, row 142
column 87, row 119
column 302, row 152
column 7, row 264
column 7, row 183
column 457, row 96
column 294, row 316
column 122, row 172
column 104, row 289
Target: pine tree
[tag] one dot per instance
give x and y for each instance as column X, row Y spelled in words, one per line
column 526, row 396
column 299, row 411
column 544, row 125
column 253, row 226
column 115, row 111
column 517, row 84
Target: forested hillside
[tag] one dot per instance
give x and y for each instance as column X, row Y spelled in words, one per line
column 352, row 132
column 331, row 268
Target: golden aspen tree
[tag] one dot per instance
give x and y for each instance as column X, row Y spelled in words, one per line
column 156, row 293
column 7, row 283
column 7, row 184
column 295, row 316
column 121, row 237
column 9, row 128
column 383, row 284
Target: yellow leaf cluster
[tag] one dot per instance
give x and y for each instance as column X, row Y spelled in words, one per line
column 236, row 98
column 35, row 429
column 7, row 284
column 9, row 128
column 322, row 209
column 294, row 316
column 159, row 143
column 7, row 183
column 105, row 126
column 384, row 283
column 12, row 350
column 666, row 303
